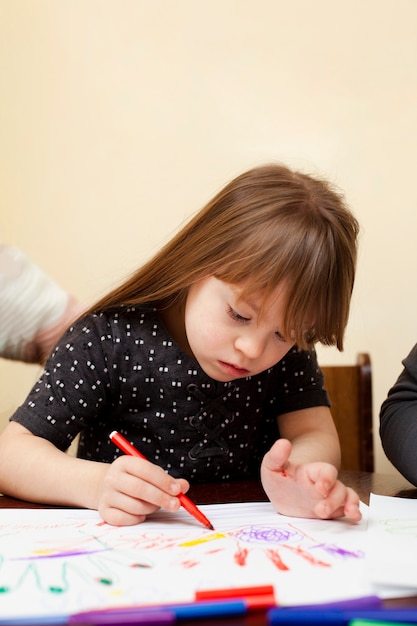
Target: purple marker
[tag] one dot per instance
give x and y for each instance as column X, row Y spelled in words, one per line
column 364, row 602
column 114, row 618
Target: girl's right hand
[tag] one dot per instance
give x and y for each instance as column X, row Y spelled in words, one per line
column 133, row 488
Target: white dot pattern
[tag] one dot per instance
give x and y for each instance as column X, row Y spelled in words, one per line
column 122, row 370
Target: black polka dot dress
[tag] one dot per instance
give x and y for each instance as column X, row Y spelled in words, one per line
column 122, row 371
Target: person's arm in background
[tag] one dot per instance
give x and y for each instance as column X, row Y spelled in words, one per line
column 34, row 309
column 398, row 420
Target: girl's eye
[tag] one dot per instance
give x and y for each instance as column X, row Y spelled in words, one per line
column 235, row 315
column 280, row 337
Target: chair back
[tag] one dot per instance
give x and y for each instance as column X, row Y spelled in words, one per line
column 350, row 392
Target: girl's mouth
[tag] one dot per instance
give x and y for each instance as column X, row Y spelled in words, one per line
column 233, row 370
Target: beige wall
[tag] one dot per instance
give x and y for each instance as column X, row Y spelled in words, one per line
column 120, row 119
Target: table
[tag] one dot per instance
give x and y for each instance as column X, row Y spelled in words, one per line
column 251, row 491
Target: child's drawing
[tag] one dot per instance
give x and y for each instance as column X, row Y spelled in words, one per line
column 63, row 561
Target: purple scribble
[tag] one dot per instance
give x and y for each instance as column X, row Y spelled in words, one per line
column 337, row 551
column 59, row 555
column 259, row 534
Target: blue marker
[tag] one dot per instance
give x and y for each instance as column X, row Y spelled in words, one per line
column 211, row 608
column 339, row 617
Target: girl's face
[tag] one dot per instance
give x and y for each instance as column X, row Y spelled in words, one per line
column 228, row 336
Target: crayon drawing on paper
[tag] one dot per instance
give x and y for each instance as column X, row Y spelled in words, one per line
column 61, row 561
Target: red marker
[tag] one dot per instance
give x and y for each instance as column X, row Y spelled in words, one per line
column 261, row 597
column 188, row 504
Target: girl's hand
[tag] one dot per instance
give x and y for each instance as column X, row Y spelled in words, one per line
column 309, row 490
column 132, row 488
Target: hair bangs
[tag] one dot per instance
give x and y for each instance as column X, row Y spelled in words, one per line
column 306, row 264
column 268, row 228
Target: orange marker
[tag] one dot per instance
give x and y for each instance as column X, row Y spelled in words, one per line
column 188, row 504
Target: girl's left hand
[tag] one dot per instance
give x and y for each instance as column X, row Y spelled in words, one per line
column 310, row 490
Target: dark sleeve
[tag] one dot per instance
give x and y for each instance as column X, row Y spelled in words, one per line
column 398, row 420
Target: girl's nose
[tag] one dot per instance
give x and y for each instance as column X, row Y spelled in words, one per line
column 252, row 346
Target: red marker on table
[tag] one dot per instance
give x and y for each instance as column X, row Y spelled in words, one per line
column 258, row 597
column 188, row 504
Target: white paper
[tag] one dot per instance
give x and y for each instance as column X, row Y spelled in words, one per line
column 63, row 561
column 392, row 542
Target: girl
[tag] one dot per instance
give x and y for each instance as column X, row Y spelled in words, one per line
column 204, row 359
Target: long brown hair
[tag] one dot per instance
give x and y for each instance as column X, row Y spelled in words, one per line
column 268, row 225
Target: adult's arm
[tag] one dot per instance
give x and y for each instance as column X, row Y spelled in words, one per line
column 34, row 309
column 398, row 420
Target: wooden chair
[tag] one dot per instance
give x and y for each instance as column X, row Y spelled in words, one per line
column 350, row 392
